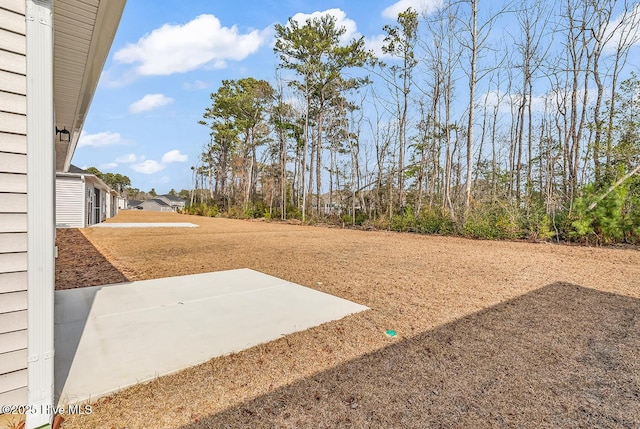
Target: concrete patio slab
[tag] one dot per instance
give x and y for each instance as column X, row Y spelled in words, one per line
column 145, row 225
column 111, row 337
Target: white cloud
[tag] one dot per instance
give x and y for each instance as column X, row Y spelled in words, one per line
column 150, row 102
column 493, row 98
column 107, row 166
column 198, row 84
column 151, row 166
column 175, row 48
column 375, row 43
column 148, row 167
column 174, row 156
column 127, row 159
column 423, row 7
column 341, row 21
column 623, row 30
column 112, row 79
column 506, row 102
column 296, row 102
column 102, row 139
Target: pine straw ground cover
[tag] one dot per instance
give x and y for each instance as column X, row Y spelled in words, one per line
column 490, row 334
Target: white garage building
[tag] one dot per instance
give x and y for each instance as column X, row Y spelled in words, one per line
column 82, row 199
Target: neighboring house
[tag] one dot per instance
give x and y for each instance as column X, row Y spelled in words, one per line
column 112, row 205
column 336, row 202
column 133, row 204
column 155, row 205
column 122, row 202
column 51, row 58
column 82, row 199
column 176, row 203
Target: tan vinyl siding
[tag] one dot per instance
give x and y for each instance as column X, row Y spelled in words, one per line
column 13, row 380
column 12, row 42
column 14, row 183
column 14, row 321
column 16, row 6
column 13, row 162
column 12, row 361
column 14, row 301
column 13, row 143
column 13, row 122
column 13, row 242
column 16, row 103
column 13, row 282
column 13, row 82
column 13, row 204
column 12, row 263
column 12, row 62
column 12, row 341
column 69, row 202
column 12, row 21
column 13, row 222
column 14, row 397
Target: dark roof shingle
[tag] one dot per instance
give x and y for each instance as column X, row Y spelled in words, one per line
column 173, row 198
column 77, row 170
column 160, row 202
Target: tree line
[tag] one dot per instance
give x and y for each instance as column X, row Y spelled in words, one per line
column 460, row 126
column 122, row 184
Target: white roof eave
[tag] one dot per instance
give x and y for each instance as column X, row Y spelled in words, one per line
column 83, row 34
column 87, row 177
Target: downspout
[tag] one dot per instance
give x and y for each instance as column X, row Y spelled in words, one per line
column 40, row 212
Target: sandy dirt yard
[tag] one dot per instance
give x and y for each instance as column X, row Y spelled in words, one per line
column 489, row 334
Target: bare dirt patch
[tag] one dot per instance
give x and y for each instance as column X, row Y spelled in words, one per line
column 80, row 263
column 490, row 334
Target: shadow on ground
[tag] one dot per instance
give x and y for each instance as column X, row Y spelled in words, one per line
column 560, row 356
column 80, row 264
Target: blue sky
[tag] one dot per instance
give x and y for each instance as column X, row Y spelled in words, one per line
column 166, row 59
column 169, row 56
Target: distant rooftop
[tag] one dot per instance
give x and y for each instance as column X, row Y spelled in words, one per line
column 159, row 201
column 172, row 197
column 77, row 170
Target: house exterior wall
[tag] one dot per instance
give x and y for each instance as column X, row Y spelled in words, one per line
column 70, row 202
column 165, row 199
column 112, row 208
column 154, row 206
column 151, row 206
column 101, row 201
column 77, row 205
column 13, row 204
column 89, row 204
column 103, row 206
column 76, row 202
column 174, row 204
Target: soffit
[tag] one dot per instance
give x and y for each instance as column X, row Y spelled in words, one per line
column 83, row 33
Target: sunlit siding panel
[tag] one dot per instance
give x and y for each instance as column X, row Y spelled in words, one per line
column 13, row 204
column 69, row 202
